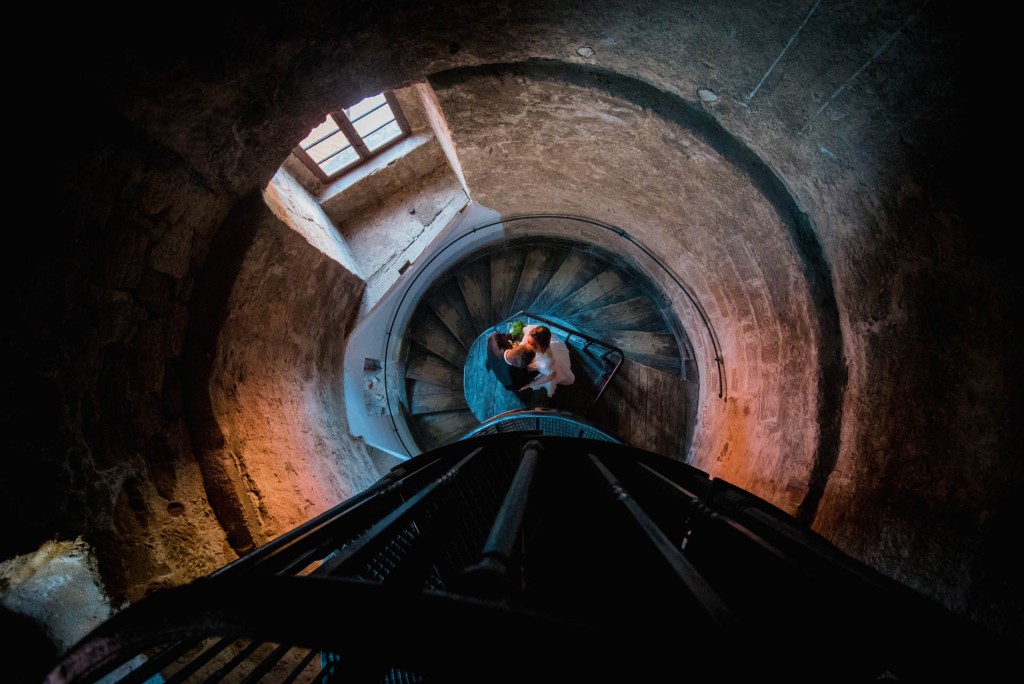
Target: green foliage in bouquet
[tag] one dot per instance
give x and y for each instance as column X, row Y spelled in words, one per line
column 515, row 329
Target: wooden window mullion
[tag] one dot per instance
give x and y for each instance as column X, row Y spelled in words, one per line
column 350, row 132
column 396, row 111
column 347, row 129
column 310, row 164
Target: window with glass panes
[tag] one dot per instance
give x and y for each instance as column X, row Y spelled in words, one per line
column 347, row 138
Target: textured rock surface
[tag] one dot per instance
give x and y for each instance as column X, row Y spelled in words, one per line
column 899, row 305
column 275, row 439
column 59, row 585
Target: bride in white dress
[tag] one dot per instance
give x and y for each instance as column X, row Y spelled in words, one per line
column 552, row 363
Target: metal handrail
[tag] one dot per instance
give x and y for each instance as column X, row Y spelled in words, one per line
column 669, row 546
column 540, row 413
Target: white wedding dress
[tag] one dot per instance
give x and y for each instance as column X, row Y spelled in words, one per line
column 554, row 362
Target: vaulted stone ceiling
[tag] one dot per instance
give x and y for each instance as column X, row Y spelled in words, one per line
column 801, row 166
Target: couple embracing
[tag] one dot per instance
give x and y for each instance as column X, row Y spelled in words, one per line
column 540, row 361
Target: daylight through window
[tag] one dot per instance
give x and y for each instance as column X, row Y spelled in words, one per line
column 347, row 138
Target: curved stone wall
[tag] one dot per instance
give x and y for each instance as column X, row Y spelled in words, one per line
column 862, row 121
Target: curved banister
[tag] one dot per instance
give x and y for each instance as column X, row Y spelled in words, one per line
column 544, row 558
column 542, row 416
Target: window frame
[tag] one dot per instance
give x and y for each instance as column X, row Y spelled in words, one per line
column 346, row 128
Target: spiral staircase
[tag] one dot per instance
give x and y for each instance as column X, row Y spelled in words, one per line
column 578, row 289
column 521, row 554
column 514, row 557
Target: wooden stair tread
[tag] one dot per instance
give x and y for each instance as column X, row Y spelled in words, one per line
column 426, row 397
column 635, row 313
column 447, row 304
column 598, row 287
column 647, row 408
column 649, row 348
column 635, row 342
column 428, row 330
column 474, row 280
column 506, row 268
column 426, row 366
column 623, row 293
column 576, row 269
column 435, row 429
column 538, row 268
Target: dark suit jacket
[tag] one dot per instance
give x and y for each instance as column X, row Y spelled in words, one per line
column 510, row 377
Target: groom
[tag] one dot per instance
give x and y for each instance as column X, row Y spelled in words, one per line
column 509, row 362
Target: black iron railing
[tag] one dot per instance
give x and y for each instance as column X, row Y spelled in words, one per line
column 518, row 557
column 542, row 421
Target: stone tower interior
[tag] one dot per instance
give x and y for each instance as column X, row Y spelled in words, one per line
column 189, row 306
